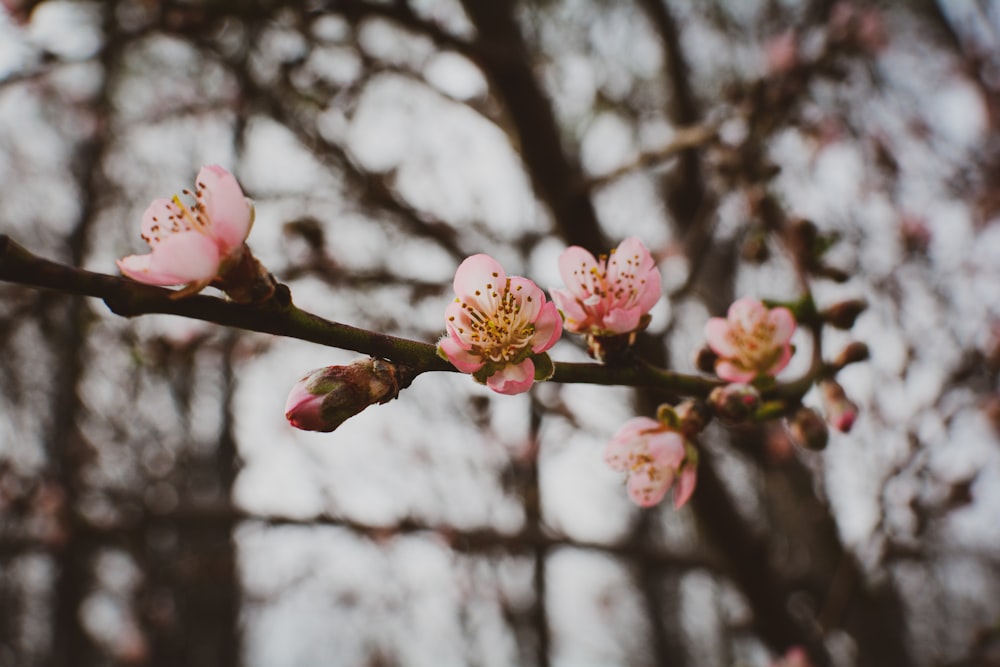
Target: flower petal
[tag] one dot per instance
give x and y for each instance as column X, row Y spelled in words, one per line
column 548, row 328
column 460, row 358
column 226, row 206
column 159, row 219
column 621, row 320
column 781, row 361
column 137, row 268
column 190, row 256
column 629, row 441
column 666, row 449
column 529, row 296
column 685, row 486
column 730, row 372
column 513, row 378
column 784, row 324
column 746, row 313
column 647, row 486
column 575, row 264
column 717, row 337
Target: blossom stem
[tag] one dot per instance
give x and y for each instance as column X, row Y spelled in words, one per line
column 279, row 316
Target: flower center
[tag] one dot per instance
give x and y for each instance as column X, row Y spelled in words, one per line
column 502, row 333
column 619, row 291
column 181, row 218
column 756, row 345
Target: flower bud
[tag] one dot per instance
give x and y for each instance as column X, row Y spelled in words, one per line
column 808, row 429
column 841, row 412
column 692, row 417
column 734, row 402
column 842, row 315
column 325, row 398
column 852, row 354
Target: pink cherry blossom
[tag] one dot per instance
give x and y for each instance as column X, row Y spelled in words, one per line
column 752, row 340
column 654, row 458
column 609, row 295
column 496, row 323
column 193, row 245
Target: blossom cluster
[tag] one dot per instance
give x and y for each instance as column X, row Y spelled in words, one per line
column 499, row 329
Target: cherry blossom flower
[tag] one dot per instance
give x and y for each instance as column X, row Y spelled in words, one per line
column 609, row 295
column 753, row 340
column 193, row 245
column 654, row 456
column 498, row 326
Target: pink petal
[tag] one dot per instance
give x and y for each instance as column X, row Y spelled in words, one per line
column 575, row 264
column 475, row 271
column 472, row 277
column 730, row 372
column 746, row 312
column 649, row 291
column 137, row 268
column 781, row 361
column 459, row 324
column 647, row 487
column 157, row 220
column 783, row 322
column 460, row 358
column 685, row 486
column 666, row 449
column 637, row 426
column 530, row 296
column 190, row 256
column 513, row 378
column 629, row 441
column 577, row 319
column 717, row 337
column 633, row 247
column 622, row 320
column 227, row 207
column 548, row 328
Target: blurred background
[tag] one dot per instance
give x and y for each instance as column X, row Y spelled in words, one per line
column 156, row 508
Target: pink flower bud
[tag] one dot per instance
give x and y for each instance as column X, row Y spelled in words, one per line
column 753, row 340
column 841, row 412
column 735, row 402
column 325, row 398
column 497, row 324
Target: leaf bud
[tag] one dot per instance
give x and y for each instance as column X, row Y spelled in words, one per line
column 808, row 429
column 842, row 315
column 854, row 352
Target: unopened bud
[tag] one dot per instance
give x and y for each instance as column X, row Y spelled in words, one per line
column 734, row 402
column 852, row 354
column 705, row 360
column 692, row 417
column 842, row 315
column 808, row 429
column 325, row 398
column 841, row 412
